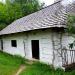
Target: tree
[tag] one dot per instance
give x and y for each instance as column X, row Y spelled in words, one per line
column 15, row 9
column 3, row 16
column 71, row 22
column 71, row 28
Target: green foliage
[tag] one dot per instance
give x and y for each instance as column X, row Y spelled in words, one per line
column 15, row 9
column 2, row 25
column 71, row 24
column 71, row 45
column 71, row 28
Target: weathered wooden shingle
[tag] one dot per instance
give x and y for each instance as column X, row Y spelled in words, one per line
column 51, row 16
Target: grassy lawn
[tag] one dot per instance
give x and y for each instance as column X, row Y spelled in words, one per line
column 43, row 69
column 9, row 64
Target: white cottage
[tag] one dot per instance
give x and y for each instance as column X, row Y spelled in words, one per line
column 39, row 36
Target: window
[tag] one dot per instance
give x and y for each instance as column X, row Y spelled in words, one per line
column 13, row 43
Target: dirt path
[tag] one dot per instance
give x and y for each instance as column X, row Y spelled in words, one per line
column 22, row 67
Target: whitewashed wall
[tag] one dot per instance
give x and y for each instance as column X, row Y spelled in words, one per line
column 19, row 50
column 66, row 40
column 45, row 44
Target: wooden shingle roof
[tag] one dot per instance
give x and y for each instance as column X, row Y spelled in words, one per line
column 51, row 16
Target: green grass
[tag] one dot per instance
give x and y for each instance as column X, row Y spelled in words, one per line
column 9, row 64
column 38, row 68
column 44, row 69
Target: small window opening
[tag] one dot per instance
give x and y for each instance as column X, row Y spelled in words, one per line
column 13, row 43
